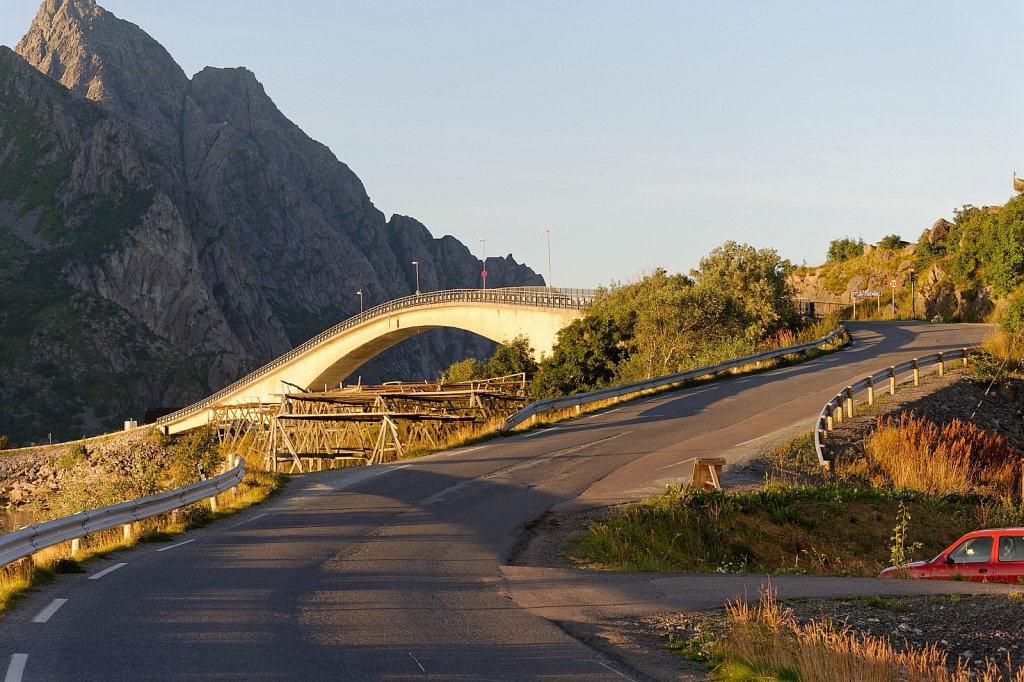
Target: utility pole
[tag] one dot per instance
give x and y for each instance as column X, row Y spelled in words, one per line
column 547, row 233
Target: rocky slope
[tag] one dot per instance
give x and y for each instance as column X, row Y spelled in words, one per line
column 161, row 235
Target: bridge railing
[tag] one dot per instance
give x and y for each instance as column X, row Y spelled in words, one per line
column 841, row 405
column 539, row 297
column 31, row 539
column 580, row 399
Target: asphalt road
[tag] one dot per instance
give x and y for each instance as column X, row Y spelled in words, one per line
column 398, row 572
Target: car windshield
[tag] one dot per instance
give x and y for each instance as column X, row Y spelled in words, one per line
column 972, row 551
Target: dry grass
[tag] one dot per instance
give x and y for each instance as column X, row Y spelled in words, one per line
column 914, row 453
column 765, row 640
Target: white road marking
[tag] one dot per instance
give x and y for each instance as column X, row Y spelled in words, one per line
column 599, row 414
column 676, row 464
column 538, row 432
column 418, row 662
column 164, row 549
column 236, row 526
column 752, row 440
column 48, row 612
column 605, row 665
column 16, row 668
column 111, row 569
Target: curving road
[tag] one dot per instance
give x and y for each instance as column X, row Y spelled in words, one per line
column 397, row 572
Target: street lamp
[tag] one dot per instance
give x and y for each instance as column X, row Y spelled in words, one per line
column 547, row 233
column 359, row 293
column 416, row 263
column 483, row 272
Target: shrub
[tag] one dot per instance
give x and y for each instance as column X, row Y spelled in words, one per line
column 891, row 242
column 840, row 250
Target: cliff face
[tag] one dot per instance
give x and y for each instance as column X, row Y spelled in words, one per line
column 181, row 231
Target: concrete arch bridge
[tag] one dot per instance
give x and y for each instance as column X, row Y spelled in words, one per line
column 536, row 313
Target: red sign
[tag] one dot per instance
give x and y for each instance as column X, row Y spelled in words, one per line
column 894, row 283
column 483, row 273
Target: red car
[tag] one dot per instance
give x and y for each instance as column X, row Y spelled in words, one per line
column 994, row 555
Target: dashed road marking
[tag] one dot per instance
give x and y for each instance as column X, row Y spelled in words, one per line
column 108, row 570
column 47, row 613
column 16, row 668
column 418, row 662
column 164, row 549
column 236, row 525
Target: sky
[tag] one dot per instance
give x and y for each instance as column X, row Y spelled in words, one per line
column 641, row 134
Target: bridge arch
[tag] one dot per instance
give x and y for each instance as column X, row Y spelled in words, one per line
column 536, row 313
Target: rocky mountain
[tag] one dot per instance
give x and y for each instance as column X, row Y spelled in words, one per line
column 160, row 235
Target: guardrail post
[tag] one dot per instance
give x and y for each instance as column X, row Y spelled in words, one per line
column 942, row 366
column 76, row 546
column 917, row 373
column 213, row 503
column 828, row 418
column 849, row 402
column 128, row 531
column 892, row 381
column 871, row 391
column 965, row 357
column 839, row 408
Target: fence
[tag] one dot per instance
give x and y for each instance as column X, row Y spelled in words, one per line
column 841, row 405
column 580, row 399
column 23, row 542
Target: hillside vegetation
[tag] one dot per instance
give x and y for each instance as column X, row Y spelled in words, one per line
column 970, row 269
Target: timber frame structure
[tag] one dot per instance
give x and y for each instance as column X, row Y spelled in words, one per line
column 312, row 430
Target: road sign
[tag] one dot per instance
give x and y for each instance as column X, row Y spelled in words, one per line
column 894, row 283
column 867, row 293
column 483, row 273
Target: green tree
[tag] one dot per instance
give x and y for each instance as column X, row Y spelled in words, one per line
column 585, row 356
column 891, row 242
column 840, row 250
column 463, row 370
column 513, row 357
column 756, row 279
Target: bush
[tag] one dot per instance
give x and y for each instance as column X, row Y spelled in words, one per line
column 891, row 242
column 840, row 250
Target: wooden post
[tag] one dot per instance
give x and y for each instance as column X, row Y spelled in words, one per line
column 892, row 381
column 707, row 473
column 917, row 373
column 839, row 409
column 942, row 366
column 871, row 391
column 213, row 503
column 849, row 402
column 828, row 418
column 76, row 546
column 965, row 357
column 128, row 531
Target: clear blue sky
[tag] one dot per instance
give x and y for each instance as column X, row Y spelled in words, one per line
column 642, row 134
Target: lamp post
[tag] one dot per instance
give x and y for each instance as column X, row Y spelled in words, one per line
column 359, row 293
column 547, row 233
column 483, row 272
column 416, row 264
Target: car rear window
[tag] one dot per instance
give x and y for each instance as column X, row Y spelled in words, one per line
column 1011, row 548
column 973, row 551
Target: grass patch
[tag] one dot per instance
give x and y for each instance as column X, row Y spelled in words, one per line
column 833, row 529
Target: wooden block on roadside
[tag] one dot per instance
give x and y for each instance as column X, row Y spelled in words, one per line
column 707, row 472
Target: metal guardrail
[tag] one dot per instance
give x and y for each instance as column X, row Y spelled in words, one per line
column 30, row 539
column 580, row 399
column 539, row 297
column 841, row 404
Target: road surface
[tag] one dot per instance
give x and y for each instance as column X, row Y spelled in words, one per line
column 398, row 572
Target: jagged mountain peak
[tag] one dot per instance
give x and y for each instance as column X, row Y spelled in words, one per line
column 109, row 60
